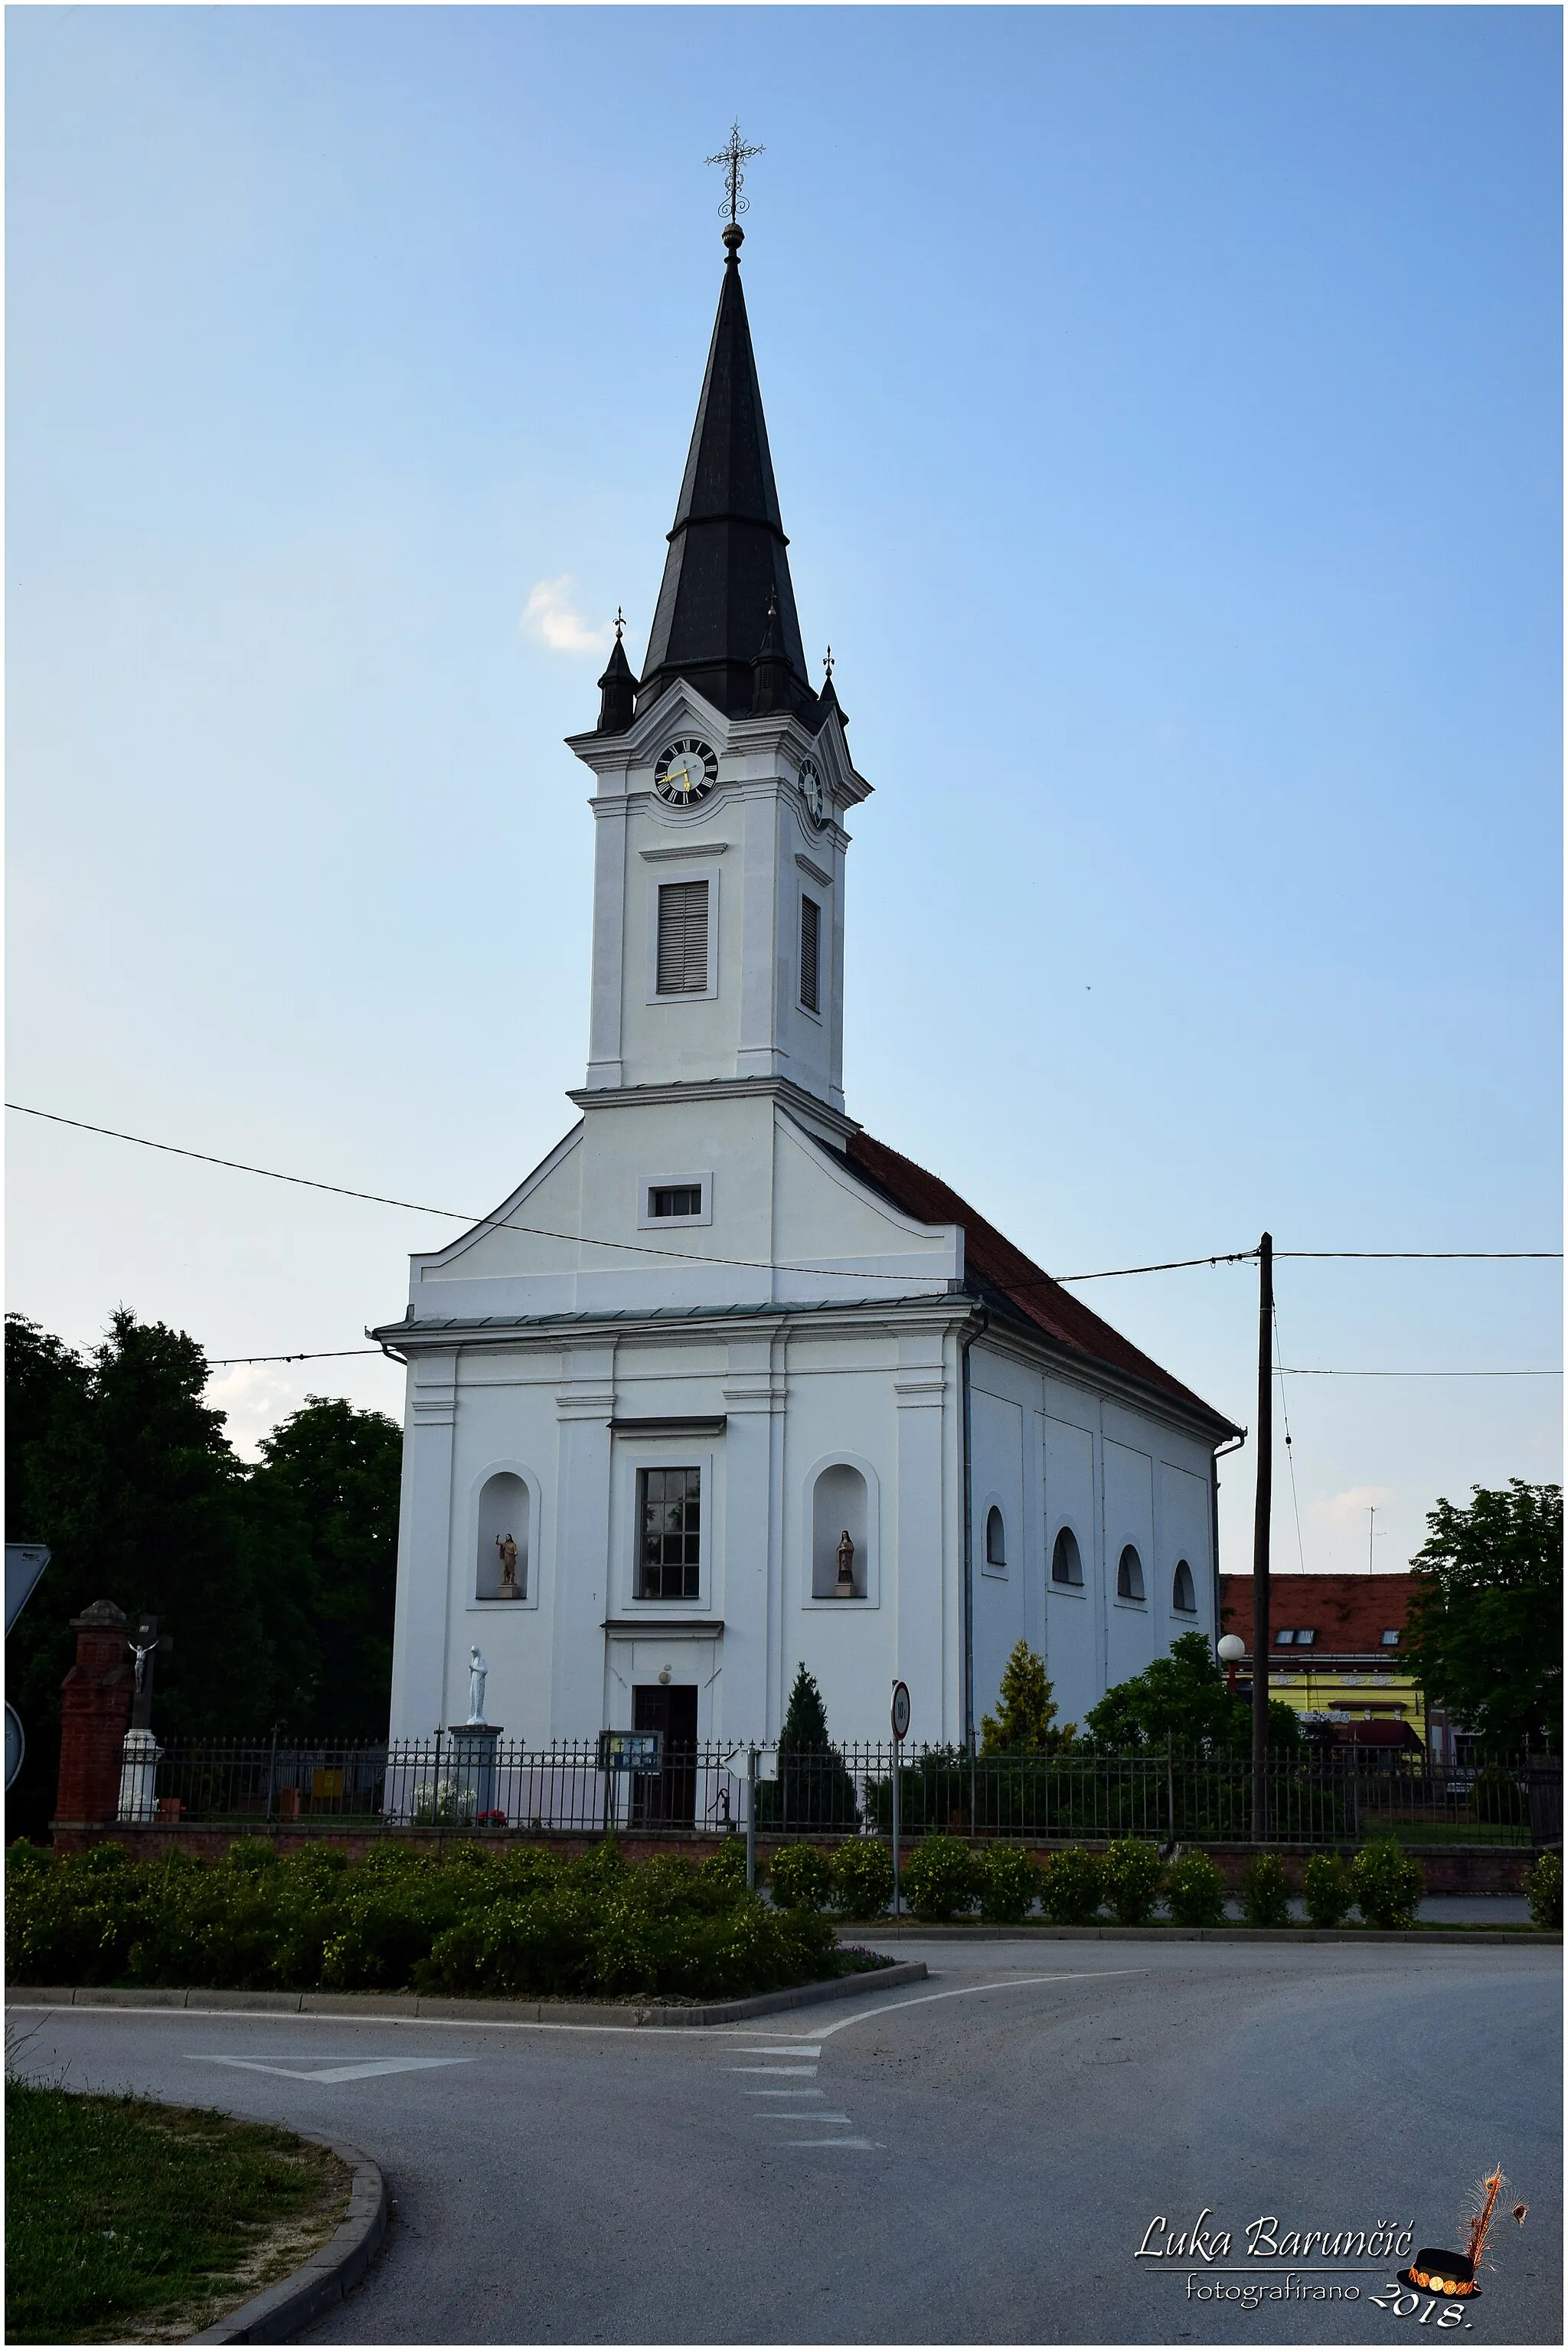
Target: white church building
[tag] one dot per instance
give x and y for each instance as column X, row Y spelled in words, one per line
column 725, row 1385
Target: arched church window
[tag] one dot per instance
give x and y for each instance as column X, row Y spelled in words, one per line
column 995, row 1538
column 840, row 1534
column 1183, row 1596
column 1067, row 1560
column 1129, row 1575
column 501, row 1568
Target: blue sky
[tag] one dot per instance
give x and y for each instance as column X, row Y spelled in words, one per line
column 1165, row 409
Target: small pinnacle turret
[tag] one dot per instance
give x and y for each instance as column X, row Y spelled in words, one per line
column 617, row 688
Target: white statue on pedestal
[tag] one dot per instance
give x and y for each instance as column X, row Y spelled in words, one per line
column 477, row 1670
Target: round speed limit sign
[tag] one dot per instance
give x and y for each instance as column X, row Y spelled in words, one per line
column 900, row 1710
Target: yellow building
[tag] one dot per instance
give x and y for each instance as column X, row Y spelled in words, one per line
column 1335, row 1654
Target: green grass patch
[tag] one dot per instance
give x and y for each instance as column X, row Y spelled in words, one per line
column 127, row 2221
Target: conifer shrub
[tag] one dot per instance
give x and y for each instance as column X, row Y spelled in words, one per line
column 1009, row 1883
column 1265, row 1896
column 1074, row 1886
column 1024, row 1721
column 1544, row 1891
column 1387, row 1884
column 1328, row 1892
column 1133, row 1875
column 939, row 1877
column 1195, row 1891
column 800, row 1877
column 862, row 1877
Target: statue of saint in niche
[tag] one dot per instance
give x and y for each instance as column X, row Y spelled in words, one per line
column 845, row 1565
column 507, row 1551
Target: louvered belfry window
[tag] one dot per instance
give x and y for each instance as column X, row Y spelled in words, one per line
column 683, row 938
column 810, row 954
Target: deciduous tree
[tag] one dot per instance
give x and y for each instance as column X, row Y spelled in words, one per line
column 1484, row 1631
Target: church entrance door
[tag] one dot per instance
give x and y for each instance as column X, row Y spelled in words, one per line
column 668, row 1800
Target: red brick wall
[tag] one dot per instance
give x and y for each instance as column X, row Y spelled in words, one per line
column 1449, row 1869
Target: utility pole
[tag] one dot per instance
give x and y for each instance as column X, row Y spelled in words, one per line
column 1261, row 1626
column 1371, row 1517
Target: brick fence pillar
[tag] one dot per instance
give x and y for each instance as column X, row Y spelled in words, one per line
column 95, row 1710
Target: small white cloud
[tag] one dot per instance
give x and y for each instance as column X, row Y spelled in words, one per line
column 1341, row 1510
column 551, row 615
column 255, row 1396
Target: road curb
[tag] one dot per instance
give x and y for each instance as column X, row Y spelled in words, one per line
column 1527, row 1938
column 330, row 2274
column 350, row 2003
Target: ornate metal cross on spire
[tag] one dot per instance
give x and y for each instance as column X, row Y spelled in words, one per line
column 732, row 158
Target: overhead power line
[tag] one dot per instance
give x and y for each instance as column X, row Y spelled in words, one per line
column 544, row 1231
column 1455, row 1256
column 322, row 1354
column 1305, row 1371
column 699, row 1257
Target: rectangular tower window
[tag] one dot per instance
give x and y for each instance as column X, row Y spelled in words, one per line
column 675, row 1200
column 683, row 938
column 810, row 954
column 669, row 1511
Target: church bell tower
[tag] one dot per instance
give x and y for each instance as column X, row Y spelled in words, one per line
column 722, row 781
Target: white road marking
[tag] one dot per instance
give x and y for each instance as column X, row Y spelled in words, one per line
column 798, row 2072
column 865, row 2143
column 338, row 2018
column 812, row 2118
column 968, row 1991
column 783, row 2093
column 334, row 2072
column 797, row 2048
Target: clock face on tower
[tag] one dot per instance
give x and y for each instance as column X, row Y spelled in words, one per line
column 813, row 792
column 686, row 772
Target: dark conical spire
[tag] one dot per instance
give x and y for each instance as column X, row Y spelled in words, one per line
column 618, row 689
column 727, row 559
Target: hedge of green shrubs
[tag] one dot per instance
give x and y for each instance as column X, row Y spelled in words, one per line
column 523, row 1921
column 944, row 1877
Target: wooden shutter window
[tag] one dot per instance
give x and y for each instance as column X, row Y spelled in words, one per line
column 683, row 938
column 810, row 954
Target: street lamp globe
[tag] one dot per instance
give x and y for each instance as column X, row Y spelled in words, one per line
column 1230, row 1650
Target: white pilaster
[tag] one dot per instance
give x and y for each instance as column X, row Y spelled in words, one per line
column 424, row 1549
column 609, row 942
column 585, row 1403
column 920, row 1641
column 752, row 1540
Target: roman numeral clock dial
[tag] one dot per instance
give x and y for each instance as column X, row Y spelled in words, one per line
column 686, row 772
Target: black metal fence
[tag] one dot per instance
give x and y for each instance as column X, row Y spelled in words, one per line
column 1328, row 1796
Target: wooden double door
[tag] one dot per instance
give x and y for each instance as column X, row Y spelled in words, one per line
column 667, row 1798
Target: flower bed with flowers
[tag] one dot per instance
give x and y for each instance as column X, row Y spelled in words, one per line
column 522, row 1922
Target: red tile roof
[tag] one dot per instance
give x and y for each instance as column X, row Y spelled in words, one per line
column 1350, row 1613
column 991, row 1260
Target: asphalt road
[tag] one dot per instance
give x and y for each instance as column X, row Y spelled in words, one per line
column 975, row 2161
